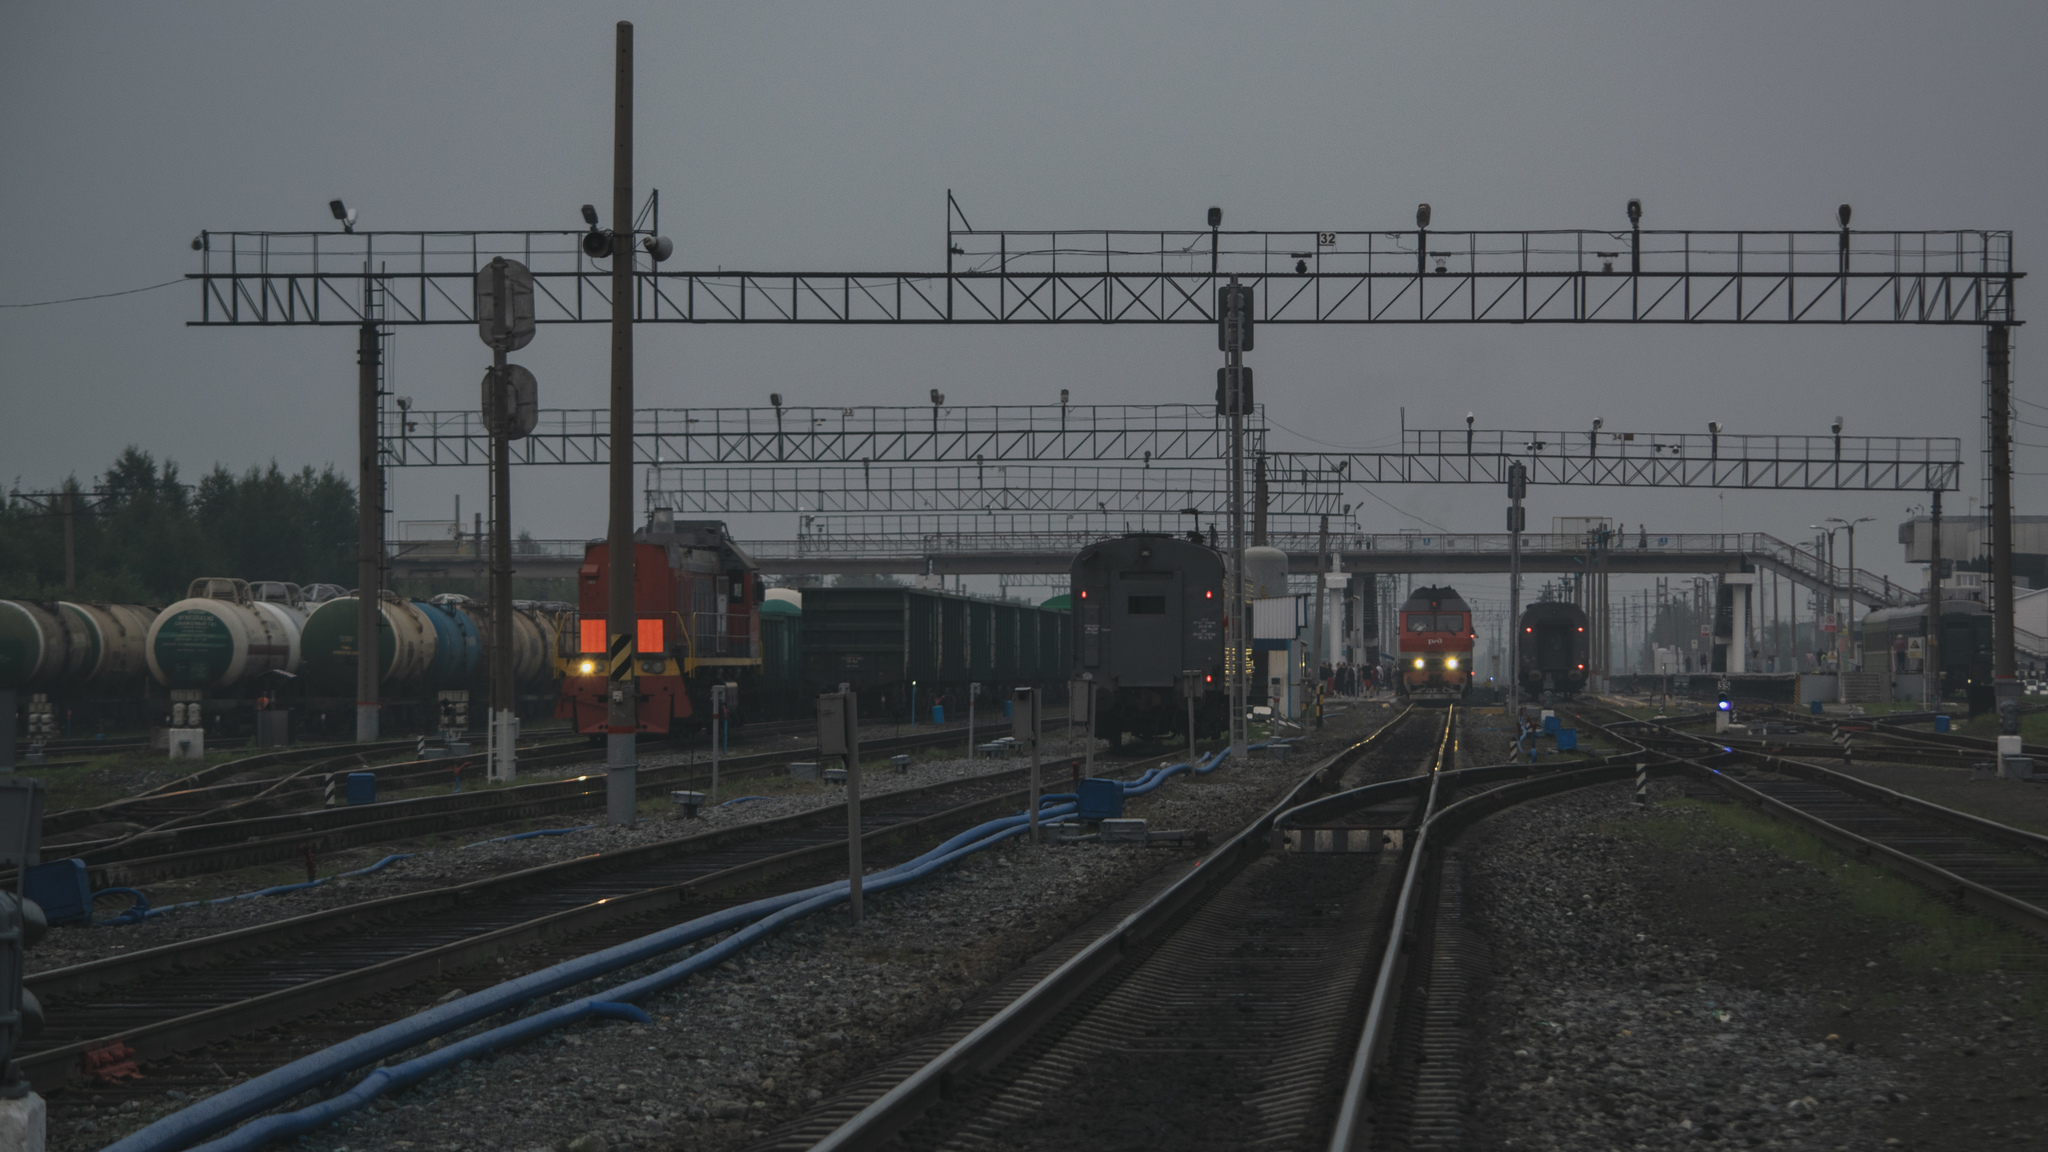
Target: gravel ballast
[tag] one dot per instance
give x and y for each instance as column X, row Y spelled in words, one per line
column 736, row 1050
column 485, row 856
column 1660, row 979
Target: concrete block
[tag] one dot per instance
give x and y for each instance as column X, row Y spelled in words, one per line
column 900, row 762
column 803, row 770
column 2016, row 767
column 185, row 744
column 835, row 775
column 22, row 1123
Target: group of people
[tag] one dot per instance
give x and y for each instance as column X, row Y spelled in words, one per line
column 1347, row 679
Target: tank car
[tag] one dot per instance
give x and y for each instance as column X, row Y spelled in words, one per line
column 1435, row 661
column 1553, row 649
column 696, row 601
column 1148, row 613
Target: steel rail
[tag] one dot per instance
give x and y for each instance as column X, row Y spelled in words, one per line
column 57, row 1065
column 1001, row 1034
column 282, row 837
column 1352, row 1129
column 1943, row 882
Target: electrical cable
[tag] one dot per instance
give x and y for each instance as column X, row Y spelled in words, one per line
column 95, row 296
column 1410, row 515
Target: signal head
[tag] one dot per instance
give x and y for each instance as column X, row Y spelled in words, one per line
column 1635, row 211
column 590, row 215
column 1215, row 217
column 1422, row 215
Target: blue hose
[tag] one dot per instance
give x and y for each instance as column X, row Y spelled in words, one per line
column 753, row 921
column 741, row 800
column 531, row 835
column 140, row 910
column 274, row 1087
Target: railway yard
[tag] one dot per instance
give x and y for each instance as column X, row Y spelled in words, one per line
column 1590, row 961
column 894, row 705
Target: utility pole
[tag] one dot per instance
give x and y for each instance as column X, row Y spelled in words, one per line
column 2004, row 657
column 1322, row 578
column 369, row 525
column 1930, row 663
column 1234, row 325
column 622, row 616
column 1518, row 487
column 70, row 539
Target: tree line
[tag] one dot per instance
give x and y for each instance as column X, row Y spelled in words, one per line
column 141, row 533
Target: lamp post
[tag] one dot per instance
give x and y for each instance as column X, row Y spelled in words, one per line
column 1830, row 549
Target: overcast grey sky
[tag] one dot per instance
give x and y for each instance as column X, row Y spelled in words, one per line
column 824, row 136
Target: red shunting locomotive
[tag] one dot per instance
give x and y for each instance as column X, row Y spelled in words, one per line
column 696, row 600
column 1435, row 661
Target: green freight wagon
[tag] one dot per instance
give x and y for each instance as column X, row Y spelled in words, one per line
column 887, row 642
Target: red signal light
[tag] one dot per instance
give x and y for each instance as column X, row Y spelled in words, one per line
column 1084, row 593
column 1210, row 595
column 1582, row 629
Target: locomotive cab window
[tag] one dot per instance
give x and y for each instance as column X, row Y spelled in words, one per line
column 1146, row 605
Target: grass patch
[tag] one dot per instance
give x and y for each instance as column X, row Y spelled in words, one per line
column 1938, row 936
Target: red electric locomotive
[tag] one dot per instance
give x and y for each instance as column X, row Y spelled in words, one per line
column 696, row 599
column 1435, row 661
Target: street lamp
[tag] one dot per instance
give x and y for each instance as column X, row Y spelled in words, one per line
column 343, row 213
column 1830, row 532
column 1857, row 649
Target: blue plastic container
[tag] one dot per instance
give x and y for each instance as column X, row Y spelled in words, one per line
column 1813, row 706
column 1567, row 739
column 938, row 713
column 1551, row 725
column 362, row 787
column 1006, row 708
column 1941, row 723
column 62, row 890
column 1101, row 799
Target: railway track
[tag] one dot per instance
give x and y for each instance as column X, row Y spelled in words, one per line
column 174, row 848
column 1207, row 1016
column 1990, row 866
column 337, row 972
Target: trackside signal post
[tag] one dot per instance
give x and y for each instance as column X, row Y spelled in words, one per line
column 511, row 406
column 1081, row 707
column 622, row 765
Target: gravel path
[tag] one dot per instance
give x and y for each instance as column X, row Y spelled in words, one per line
column 736, row 1050
column 443, row 866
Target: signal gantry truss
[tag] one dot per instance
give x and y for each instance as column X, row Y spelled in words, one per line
column 1411, row 276
column 979, row 458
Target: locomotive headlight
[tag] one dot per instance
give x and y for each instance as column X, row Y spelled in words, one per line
column 1450, row 661
column 1418, row 661
column 587, row 667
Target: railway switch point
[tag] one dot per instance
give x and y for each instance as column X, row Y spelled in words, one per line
column 1123, row 831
